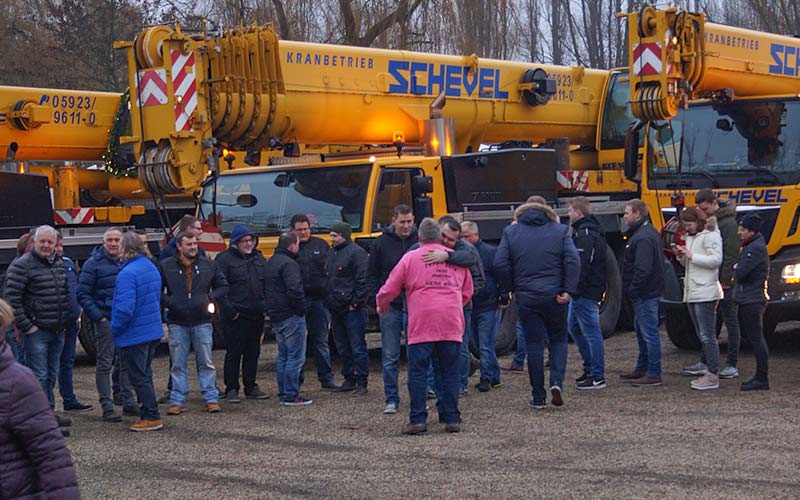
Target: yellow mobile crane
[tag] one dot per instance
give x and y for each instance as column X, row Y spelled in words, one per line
column 719, row 109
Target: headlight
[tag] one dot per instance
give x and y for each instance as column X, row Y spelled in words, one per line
column 791, row 273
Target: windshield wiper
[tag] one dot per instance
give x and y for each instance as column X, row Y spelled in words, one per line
column 714, row 182
column 771, row 177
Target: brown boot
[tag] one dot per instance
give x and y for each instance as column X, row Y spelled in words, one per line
column 213, row 408
column 175, row 410
column 414, row 429
column 452, row 427
column 647, row 382
column 147, row 425
column 634, row 375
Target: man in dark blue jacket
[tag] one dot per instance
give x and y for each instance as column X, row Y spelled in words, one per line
column 346, row 299
column 584, row 309
column 96, row 295
column 643, row 283
column 286, row 307
column 65, row 388
column 243, row 310
column 313, row 259
column 486, row 305
column 537, row 260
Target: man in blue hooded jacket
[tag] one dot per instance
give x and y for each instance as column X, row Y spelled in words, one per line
column 538, row 262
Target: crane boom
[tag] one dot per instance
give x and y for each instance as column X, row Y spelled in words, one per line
column 677, row 56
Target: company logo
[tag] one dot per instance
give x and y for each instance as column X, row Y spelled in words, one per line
column 786, row 59
column 421, row 78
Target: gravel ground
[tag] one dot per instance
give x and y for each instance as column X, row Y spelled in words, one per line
column 668, row 441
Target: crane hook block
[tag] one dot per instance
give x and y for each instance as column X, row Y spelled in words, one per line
column 541, row 89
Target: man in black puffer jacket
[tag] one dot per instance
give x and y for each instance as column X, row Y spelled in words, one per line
column 286, row 307
column 37, row 289
column 35, row 460
column 584, row 308
column 346, row 299
column 192, row 283
column 243, row 310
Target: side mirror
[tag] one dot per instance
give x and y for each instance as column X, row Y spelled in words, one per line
column 421, row 184
column 423, row 207
column 631, row 161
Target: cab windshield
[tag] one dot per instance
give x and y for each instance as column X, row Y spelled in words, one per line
column 753, row 143
column 266, row 201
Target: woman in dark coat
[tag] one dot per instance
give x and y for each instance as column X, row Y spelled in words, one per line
column 34, row 460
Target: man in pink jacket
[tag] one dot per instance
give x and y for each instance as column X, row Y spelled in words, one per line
column 436, row 294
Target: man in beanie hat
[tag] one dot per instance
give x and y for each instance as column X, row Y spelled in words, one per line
column 750, row 275
column 243, row 311
column 346, row 298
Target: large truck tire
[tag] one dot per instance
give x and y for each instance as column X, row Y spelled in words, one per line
column 626, row 315
column 611, row 304
column 680, row 329
column 87, row 338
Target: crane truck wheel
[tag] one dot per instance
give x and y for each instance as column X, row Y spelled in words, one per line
column 625, row 321
column 680, row 329
column 87, row 338
column 611, row 305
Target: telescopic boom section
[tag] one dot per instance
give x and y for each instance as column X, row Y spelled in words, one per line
column 677, row 56
column 246, row 90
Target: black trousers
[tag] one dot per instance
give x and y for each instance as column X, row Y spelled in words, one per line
column 243, row 347
column 751, row 322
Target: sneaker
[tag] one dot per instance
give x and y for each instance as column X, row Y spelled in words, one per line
column 213, row 408
column 537, row 405
column 62, row 421
column 452, row 427
column 464, row 391
column 130, row 411
column 164, row 399
column 65, row 433
column 175, row 410
column 634, row 375
column 483, row 386
column 77, row 406
column 414, row 429
column 729, row 372
column 495, row 384
column 647, row 382
column 582, row 378
column 346, row 387
column 232, row 396
column 590, row 383
column 755, row 385
column 431, row 394
column 110, row 416
column 513, row 368
column 360, row 390
column 147, row 425
column 256, row 393
column 706, row 382
column 390, row 409
column 330, row 385
column 696, row 369
column 298, row 401
column 555, row 393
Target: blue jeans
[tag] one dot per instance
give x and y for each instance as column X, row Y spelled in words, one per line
column 545, row 324
column 201, row 338
column 704, row 318
column 16, row 347
column 466, row 356
column 65, row 366
column 138, row 360
column 393, row 323
column 646, row 324
column 348, row 333
column 318, row 321
column 42, row 356
column 485, row 325
column 584, row 328
column 291, row 336
column 445, row 357
column 522, row 351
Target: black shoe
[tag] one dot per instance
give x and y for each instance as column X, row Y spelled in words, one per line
column 232, row 396
column 431, row 394
column 110, row 416
column 483, row 386
column 556, row 399
column 583, row 377
column 346, row 387
column 77, row 406
column 360, row 390
column 495, row 384
column 130, row 411
column 65, row 432
column 256, row 393
column 755, row 385
column 330, row 385
column 591, row 383
column 117, row 400
column 452, row 427
column 62, row 421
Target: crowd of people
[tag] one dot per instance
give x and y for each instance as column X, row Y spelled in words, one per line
column 440, row 269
